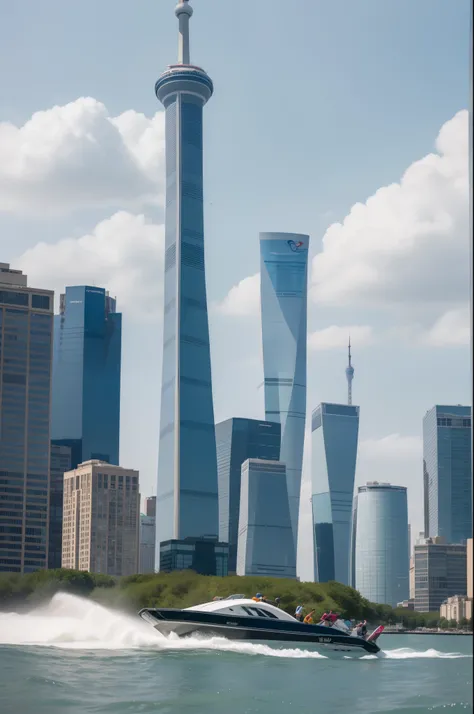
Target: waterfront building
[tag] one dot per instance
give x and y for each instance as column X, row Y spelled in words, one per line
column 187, row 497
column 412, row 578
column 60, row 463
column 447, row 473
column 86, row 375
column 147, row 543
column 101, row 518
column 380, row 549
column 455, row 608
column 239, row 440
column 204, row 556
column 283, row 296
column 335, row 430
column 26, row 333
column 440, row 572
column 265, row 540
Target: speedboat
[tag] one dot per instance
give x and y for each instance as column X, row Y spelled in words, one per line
column 240, row 618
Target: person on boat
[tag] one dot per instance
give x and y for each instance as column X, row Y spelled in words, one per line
column 362, row 629
column 277, row 602
column 258, row 597
column 299, row 612
column 308, row 620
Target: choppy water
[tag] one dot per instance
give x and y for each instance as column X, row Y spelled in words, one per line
column 74, row 657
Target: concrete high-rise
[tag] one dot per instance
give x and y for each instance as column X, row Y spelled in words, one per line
column 150, row 506
column 380, row 562
column 26, row 334
column 335, row 430
column 187, row 498
column 239, row 440
column 447, row 473
column 265, row 539
column 283, row 295
column 440, row 572
column 86, row 375
column 101, row 519
column 147, row 543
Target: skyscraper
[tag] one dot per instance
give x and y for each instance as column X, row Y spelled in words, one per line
column 335, row 430
column 447, row 473
column 265, row 539
column 440, row 572
column 101, row 519
column 187, row 500
column 26, row 333
column 60, row 463
column 239, row 440
column 86, row 375
column 147, row 543
column 283, row 294
column 380, row 562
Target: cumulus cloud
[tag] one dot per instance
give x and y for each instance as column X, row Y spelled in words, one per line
column 243, row 299
column 78, row 156
column 410, row 240
column 453, row 329
column 123, row 254
column 393, row 446
column 335, row 337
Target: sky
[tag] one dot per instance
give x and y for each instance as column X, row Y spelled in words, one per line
column 344, row 120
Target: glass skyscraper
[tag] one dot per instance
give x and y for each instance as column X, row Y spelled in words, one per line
column 447, row 473
column 380, row 560
column 26, row 334
column 440, row 572
column 60, row 464
column 335, row 431
column 283, row 294
column 86, row 375
column 187, row 498
column 239, row 440
column 265, row 539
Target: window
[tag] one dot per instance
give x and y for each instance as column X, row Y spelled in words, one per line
column 40, row 301
column 8, row 297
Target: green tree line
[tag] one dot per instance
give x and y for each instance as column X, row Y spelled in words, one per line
column 186, row 588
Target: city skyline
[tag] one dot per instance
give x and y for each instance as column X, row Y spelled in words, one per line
column 330, row 164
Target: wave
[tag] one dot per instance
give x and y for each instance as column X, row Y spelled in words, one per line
column 71, row 622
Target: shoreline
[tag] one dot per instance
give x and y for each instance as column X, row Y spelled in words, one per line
column 424, row 632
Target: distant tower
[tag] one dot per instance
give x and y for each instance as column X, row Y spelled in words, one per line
column 350, row 376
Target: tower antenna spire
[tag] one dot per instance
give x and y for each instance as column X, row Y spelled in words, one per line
column 349, row 374
column 183, row 12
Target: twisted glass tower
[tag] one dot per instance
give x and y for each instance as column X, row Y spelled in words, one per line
column 283, row 295
column 187, row 500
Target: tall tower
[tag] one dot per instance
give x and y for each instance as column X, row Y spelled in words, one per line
column 349, row 376
column 187, row 500
column 283, row 298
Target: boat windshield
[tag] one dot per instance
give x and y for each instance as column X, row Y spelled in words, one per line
column 236, row 597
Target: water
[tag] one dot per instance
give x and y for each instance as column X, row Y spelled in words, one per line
column 74, row 656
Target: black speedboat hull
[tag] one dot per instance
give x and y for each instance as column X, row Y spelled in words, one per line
column 185, row 623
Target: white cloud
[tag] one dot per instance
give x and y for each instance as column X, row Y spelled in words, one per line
column 124, row 254
column 393, row 446
column 78, row 156
column 243, row 299
column 335, row 337
column 410, row 240
column 453, row 329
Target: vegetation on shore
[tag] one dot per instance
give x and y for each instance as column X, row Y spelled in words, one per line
column 186, row 588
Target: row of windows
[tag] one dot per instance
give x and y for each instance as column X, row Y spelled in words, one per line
column 38, row 301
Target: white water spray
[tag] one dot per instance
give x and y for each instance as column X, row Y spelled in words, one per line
column 72, row 622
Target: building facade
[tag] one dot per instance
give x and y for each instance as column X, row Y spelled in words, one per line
column 239, row 440
column 440, row 572
column 60, row 463
column 283, row 296
column 26, row 334
column 147, row 543
column 265, row 540
column 380, row 568
column 455, row 608
column 335, row 432
column 447, row 473
column 101, row 519
column 206, row 557
column 187, row 498
column 86, row 375
column 150, row 506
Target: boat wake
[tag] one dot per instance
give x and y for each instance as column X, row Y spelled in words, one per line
column 71, row 622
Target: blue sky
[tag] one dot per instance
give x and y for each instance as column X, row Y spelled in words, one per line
column 317, row 106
